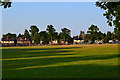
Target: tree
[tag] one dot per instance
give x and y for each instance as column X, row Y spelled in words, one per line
column 65, row 34
column 36, row 38
column 92, row 33
column 44, row 37
column 20, row 35
column 108, row 37
column 55, row 36
column 9, row 36
column 114, row 36
column 100, row 35
column 26, row 34
column 51, row 31
column 82, row 35
column 34, row 30
column 5, row 3
column 112, row 13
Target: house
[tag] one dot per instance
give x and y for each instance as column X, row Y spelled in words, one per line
column 78, row 41
column 54, row 42
column 63, row 42
column 22, row 41
column 9, row 42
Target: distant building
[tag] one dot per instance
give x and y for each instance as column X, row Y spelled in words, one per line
column 63, row 42
column 78, row 41
column 9, row 42
column 54, row 42
column 22, row 41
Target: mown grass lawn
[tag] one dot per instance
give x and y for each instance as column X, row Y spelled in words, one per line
column 72, row 61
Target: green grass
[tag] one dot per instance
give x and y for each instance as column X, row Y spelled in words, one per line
column 73, row 61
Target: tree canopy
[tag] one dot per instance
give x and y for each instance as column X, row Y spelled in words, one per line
column 65, row 34
column 112, row 13
column 51, row 32
column 92, row 32
column 5, row 3
column 26, row 34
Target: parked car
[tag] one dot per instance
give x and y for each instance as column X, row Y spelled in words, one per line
column 111, row 41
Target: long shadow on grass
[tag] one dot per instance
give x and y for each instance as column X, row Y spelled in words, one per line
column 45, row 61
column 35, row 54
column 74, row 71
column 24, row 49
column 50, row 61
column 11, row 53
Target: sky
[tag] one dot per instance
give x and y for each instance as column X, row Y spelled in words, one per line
column 76, row 16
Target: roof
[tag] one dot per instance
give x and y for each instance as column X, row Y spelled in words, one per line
column 22, row 39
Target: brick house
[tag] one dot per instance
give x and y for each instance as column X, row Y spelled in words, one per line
column 22, row 41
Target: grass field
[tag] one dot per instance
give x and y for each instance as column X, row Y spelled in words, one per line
column 71, row 61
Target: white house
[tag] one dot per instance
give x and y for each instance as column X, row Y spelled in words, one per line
column 78, row 41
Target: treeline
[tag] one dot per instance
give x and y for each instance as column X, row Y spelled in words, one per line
column 36, row 36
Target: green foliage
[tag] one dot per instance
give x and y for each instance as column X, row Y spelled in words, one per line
column 82, row 35
column 55, row 35
column 51, row 32
column 65, row 34
column 26, row 34
column 6, row 4
column 108, row 36
column 34, row 30
column 20, row 35
column 100, row 35
column 9, row 36
column 36, row 38
column 92, row 33
column 112, row 13
column 93, row 28
column 44, row 37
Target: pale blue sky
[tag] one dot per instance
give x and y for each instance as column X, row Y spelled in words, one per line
column 75, row 16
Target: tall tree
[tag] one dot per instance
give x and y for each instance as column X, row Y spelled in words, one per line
column 108, row 36
column 51, row 31
column 65, row 34
column 82, row 35
column 36, row 38
column 20, row 35
column 100, row 35
column 34, row 30
column 44, row 37
column 26, row 34
column 9, row 36
column 92, row 32
column 55, row 36
column 112, row 13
